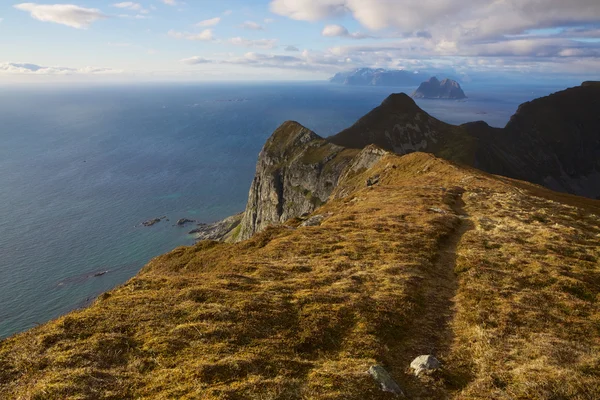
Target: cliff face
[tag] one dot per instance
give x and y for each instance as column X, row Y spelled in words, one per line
column 553, row 141
column 434, row 89
column 296, row 172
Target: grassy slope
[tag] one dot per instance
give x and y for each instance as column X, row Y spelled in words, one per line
column 499, row 278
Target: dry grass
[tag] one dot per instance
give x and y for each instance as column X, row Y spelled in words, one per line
column 502, row 285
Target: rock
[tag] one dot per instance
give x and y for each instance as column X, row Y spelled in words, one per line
column 315, row 220
column 374, row 180
column 224, row 230
column 434, row 89
column 151, row 222
column 424, row 364
column 297, row 171
column 97, row 274
column 385, row 380
column 184, row 221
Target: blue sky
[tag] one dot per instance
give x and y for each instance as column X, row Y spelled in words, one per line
column 153, row 40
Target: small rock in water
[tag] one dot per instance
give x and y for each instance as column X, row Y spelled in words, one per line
column 151, row 222
column 184, row 221
column 97, row 274
column 425, row 363
column 385, row 380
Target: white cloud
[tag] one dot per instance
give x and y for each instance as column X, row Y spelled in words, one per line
column 268, row 20
column 129, row 5
column 170, row 2
column 227, row 12
column 65, row 14
column 252, row 26
column 209, row 22
column 196, row 60
column 291, row 48
column 261, row 43
column 450, row 19
column 34, row 69
column 341, row 31
column 206, row 35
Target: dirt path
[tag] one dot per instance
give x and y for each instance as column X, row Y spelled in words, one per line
column 431, row 331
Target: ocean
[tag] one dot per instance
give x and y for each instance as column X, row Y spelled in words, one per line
column 82, row 167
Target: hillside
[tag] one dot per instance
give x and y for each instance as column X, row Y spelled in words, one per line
column 553, row 141
column 498, row 278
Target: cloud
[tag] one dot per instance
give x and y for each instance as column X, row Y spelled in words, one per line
column 170, row 2
column 252, row 26
column 34, row 69
column 206, row 35
column 129, row 5
column 456, row 20
column 65, row 14
column 341, row 31
column 209, row 22
column 196, row 60
column 291, row 48
column 261, row 43
column 227, row 12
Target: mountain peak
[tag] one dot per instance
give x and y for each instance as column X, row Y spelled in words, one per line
column 400, row 100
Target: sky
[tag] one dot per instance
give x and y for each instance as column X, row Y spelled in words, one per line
column 232, row 40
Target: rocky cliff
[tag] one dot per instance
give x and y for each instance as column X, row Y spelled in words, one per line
column 434, row 89
column 296, row 172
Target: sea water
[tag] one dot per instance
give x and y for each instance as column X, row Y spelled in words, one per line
column 82, row 167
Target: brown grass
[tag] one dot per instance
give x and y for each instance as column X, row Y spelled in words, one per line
column 501, row 282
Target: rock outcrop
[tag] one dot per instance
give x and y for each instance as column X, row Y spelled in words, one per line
column 296, row 172
column 434, row 89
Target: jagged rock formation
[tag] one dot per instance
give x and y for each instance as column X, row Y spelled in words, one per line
column 296, row 172
column 377, row 77
column 434, row 89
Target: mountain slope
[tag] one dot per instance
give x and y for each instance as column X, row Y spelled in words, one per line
column 552, row 141
column 498, row 278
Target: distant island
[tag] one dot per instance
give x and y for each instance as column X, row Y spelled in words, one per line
column 377, row 77
column 434, row 89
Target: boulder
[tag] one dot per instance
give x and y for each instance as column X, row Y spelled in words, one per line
column 424, row 364
column 385, row 380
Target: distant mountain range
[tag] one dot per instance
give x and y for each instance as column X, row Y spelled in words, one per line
column 378, row 77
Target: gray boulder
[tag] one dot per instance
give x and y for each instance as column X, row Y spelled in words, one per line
column 385, row 380
column 425, row 363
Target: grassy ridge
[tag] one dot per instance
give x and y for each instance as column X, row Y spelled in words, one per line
column 500, row 279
